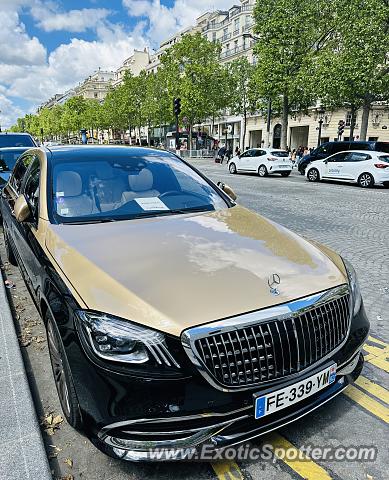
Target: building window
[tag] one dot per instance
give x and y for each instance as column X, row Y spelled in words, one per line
column 95, row 95
column 214, row 36
column 236, row 24
column 348, row 119
column 236, row 45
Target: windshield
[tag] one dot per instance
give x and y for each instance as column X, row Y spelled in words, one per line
column 16, row 141
column 125, row 187
column 384, row 158
column 280, row 154
column 8, row 159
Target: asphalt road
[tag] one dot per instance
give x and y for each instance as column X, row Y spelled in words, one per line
column 348, row 219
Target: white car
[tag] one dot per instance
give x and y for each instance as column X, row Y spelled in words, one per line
column 366, row 168
column 263, row 161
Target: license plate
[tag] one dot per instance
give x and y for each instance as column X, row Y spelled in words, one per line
column 274, row 401
column 284, row 166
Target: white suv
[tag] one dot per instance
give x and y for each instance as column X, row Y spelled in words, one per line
column 360, row 166
column 263, row 161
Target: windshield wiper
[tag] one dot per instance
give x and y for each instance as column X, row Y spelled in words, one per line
column 86, row 222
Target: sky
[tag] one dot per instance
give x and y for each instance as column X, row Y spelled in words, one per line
column 49, row 46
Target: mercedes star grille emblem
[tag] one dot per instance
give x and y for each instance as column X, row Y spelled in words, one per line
column 273, row 281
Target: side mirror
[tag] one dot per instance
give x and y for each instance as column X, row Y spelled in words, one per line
column 21, row 209
column 228, row 190
column 326, row 161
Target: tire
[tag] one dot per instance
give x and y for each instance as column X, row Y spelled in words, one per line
column 232, row 168
column 8, row 250
column 285, row 174
column 262, row 171
column 62, row 375
column 313, row 175
column 365, row 180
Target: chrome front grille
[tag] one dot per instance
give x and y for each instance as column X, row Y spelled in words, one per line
column 267, row 350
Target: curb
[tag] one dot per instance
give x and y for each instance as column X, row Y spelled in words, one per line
column 22, row 453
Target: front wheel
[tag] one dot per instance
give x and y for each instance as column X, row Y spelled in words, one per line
column 232, row 168
column 62, row 375
column 285, row 174
column 313, row 175
column 365, row 180
column 262, row 171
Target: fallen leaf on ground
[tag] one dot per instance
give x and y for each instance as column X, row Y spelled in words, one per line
column 69, row 462
column 9, row 284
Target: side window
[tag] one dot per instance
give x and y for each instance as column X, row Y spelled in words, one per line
column 340, row 147
column 362, row 146
column 19, row 171
column 31, row 187
column 339, row 157
column 358, row 157
column 245, row 154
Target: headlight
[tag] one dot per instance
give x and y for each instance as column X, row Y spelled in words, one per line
column 119, row 340
column 354, row 286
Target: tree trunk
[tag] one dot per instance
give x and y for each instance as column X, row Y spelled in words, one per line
column 190, row 139
column 284, row 122
column 352, row 124
column 244, row 130
column 365, row 116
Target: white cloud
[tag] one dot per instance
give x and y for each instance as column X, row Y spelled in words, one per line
column 8, row 111
column 17, row 47
column 28, row 73
column 163, row 22
column 71, row 21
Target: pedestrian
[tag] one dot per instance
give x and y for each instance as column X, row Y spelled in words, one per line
column 293, row 157
column 228, row 154
column 306, row 151
column 236, row 153
column 221, row 153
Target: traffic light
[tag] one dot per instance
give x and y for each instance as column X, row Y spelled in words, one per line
column 341, row 126
column 177, row 106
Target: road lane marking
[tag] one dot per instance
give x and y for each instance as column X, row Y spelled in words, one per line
column 380, row 392
column 307, row 468
column 376, row 340
column 377, row 355
column 368, row 403
column 227, row 470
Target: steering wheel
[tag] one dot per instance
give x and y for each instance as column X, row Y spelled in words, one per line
column 174, row 193
column 170, row 193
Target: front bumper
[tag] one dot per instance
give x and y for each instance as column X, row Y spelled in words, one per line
column 129, row 417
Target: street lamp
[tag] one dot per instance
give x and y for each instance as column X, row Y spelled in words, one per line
column 320, row 113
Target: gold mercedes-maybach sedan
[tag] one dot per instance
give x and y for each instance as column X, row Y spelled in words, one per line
column 176, row 319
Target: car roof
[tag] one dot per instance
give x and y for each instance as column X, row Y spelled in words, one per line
column 66, row 151
column 368, row 152
column 12, row 149
column 15, row 133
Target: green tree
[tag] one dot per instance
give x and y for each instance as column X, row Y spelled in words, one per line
column 190, row 71
column 290, row 34
column 242, row 98
column 353, row 68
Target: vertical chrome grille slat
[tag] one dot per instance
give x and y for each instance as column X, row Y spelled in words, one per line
column 264, row 351
column 274, row 350
column 290, row 353
column 282, row 350
column 258, row 354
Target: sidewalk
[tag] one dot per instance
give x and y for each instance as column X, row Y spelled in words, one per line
column 22, row 454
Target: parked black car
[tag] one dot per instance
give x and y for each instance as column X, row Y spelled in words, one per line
column 126, row 253
column 8, row 157
column 329, row 148
column 8, row 139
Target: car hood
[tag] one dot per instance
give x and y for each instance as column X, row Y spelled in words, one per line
column 171, row 273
